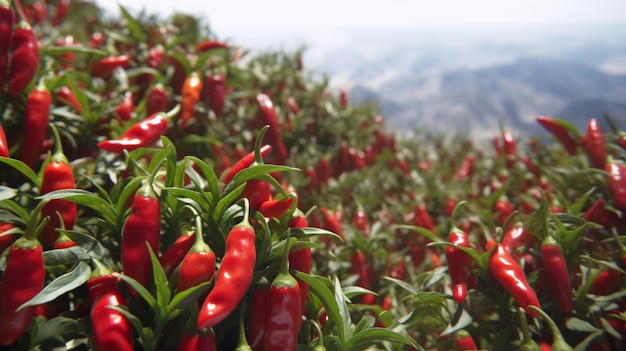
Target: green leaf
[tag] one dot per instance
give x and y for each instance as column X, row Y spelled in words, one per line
column 163, row 293
column 7, row 193
column 209, row 176
column 577, row 324
column 468, row 250
column 460, row 320
column 61, row 285
column 185, row 298
column 344, row 312
column 140, row 289
column 537, row 223
column 85, row 198
column 421, row 230
column 22, row 168
column 404, row 285
column 135, row 27
column 58, row 328
column 361, row 340
column 225, row 202
column 78, row 49
column 65, row 256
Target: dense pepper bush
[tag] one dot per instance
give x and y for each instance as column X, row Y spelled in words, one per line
column 163, row 189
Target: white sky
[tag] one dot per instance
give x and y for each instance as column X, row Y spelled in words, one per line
column 265, row 14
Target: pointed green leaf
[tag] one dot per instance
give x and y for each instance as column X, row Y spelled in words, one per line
column 22, row 168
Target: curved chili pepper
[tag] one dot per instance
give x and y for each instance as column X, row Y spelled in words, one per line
column 4, row 145
column 517, row 236
column 510, row 149
column 458, row 263
column 110, row 329
column 198, row 266
column 142, row 226
column 598, row 213
column 233, row 276
column 6, row 35
column 24, row 59
column 595, row 145
column 174, row 255
column 275, row 208
column 107, row 65
column 617, row 183
column 66, row 96
column 244, row 163
column 301, row 260
column 141, row 134
column 267, row 115
column 560, row 133
column 22, row 279
column 257, row 192
column 35, row 125
column 190, row 97
column 510, row 276
column 157, row 100
column 216, row 93
column 258, row 313
column 57, row 175
column 200, row 340
column 558, row 275
column 210, row 44
column 359, row 267
column 283, row 310
column 464, row 341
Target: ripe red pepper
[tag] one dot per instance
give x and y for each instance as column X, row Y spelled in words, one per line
column 257, row 192
column 57, row 175
column 360, row 221
column 190, row 97
column 174, row 255
column 66, row 96
column 359, row 267
column 617, row 183
column 258, row 313
column 216, row 93
column 464, row 341
column 6, row 35
column 558, row 275
column 107, row 65
column 6, row 240
column 560, row 133
column 200, row 340
column 301, row 260
column 283, row 311
column 157, row 100
column 22, row 279
column 458, row 263
column 125, row 109
column 233, row 276
column 510, row 149
column 141, row 134
column 35, row 125
column 331, row 222
column 61, row 12
column 598, row 213
column 507, row 272
column 267, row 115
column 4, row 145
column 595, row 145
column 275, row 208
column 210, row 44
column 24, row 59
column 142, row 226
column 110, row 330
column 517, row 236
column 343, row 98
column 198, row 266
column 244, row 163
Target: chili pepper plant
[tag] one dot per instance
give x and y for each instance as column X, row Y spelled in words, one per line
column 162, row 188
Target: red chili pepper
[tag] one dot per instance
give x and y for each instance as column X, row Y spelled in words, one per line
column 360, row 268
column 198, row 266
column 464, row 341
column 157, row 100
column 155, row 56
column 233, row 276
column 4, row 145
column 258, row 313
column 141, row 134
column 57, row 175
column 107, row 65
column 343, row 98
column 324, row 171
column 24, row 58
column 125, row 109
column 510, row 275
column 605, row 282
column 510, row 149
column 503, row 209
column 617, row 183
column 293, row 105
column 200, row 340
column 598, row 213
column 275, row 208
column 360, row 221
column 190, row 97
column 244, row 163
column 560, row 133
column 517, row 236
column 110, row 329
column 267, row 116
column 61, row 12
column 458, row 263
column 301, row 260
column 6, row 240
column 595, row 145
column 142, row 226
column 283, row 310
column 257, row 192
column 331, row 222
column 558, row 275
column 6, row 35
column 66, row 96
column 22, row 279
column 209, row 45
column 174, row 255
column 422, row 218
column 35, row 125
column 216, row 93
